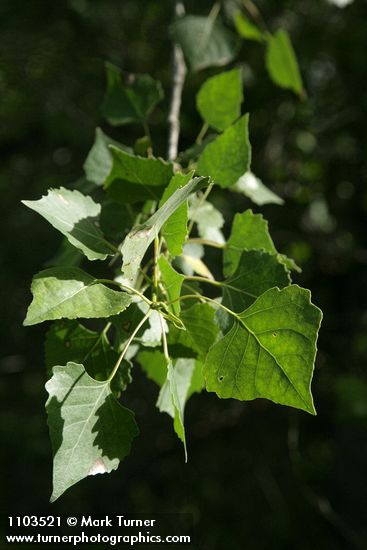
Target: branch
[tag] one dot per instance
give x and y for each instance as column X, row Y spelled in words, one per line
column 179, row 73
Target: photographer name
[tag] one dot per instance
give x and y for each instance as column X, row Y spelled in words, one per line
column 115, row 521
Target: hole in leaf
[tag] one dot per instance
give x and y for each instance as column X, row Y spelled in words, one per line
column 274, row 335
column 221, row 378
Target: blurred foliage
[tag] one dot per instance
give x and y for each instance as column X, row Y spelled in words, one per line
column 259, row 476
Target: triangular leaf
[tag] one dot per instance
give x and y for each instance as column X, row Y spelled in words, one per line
column 75, row 216
column 90, row 431
column 138, row 240
column 204, row 41
column 269, row 352
column 281, row 62
column 219, row 99
column 228, row 157
column 129, row 97
column 208, row 219
column 70, row 293
column 135, row 179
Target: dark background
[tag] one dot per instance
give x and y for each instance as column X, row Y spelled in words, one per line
column 259, row 475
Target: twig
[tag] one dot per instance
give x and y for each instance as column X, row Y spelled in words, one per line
column 179, row 74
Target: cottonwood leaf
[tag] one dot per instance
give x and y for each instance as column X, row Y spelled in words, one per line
column 191, row 261
column 90, row 431
column 269, row 352
column 228, row 157
column 69, row 341
column 205, row 42
column 174, row 230
column 136, row 179
column 75, row 216
column 281, row 62
column 129, row 97
column 208, row 219
column 247, row 29
column 98, row 163
column 116, row 219
column 66, row 255
column 219, row 99
column 253, row 188
column 69, row 292
column 172, row 282
column 178, row 380
column 138, row 240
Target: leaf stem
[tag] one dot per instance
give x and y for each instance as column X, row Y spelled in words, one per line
column 255, row 13
column 206, row 299
column 164, row 339
column 131, row 338
column 202, row 133
column 205, row 242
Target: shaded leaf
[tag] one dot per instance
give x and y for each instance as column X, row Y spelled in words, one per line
column 208, row 219
column 129, row 97
column 135, row 179
column 281, row 62
column 174, row 230
column 138, row 240
column 204, row 41
column 228, row 157
column 219, row 99
column 116, row 219
column 90, row 431
column 269, row 352
column 70, row 293
column 66, row 255
column 253, row 188
column 75, row 216
column 98, row 163
column 69, row 341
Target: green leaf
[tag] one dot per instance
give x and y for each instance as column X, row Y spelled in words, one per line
column 269, row 352
column 116, row 219
column 219, row 99
column 204, row 41
column 208, row 219
column 138, row 240
column 247, row 29
column 68, row 341
column 175, row 229
column 178, row 381
column 98, row 163
column 250, row 232
column 228, row 157
column 281, row 62
column 66, row 255
column 90, row 431
column 135, row 179
column 172, row 282
column 256, row 272
column 75, row 216
column 253, row 188
column 201, row 330
column 70, row 293
column 129, row 97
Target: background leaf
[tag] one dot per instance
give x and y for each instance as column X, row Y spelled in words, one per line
column 247, row 29
column 75, row 216
column 281, row 62
column 219, row 99
column 204, row 42
column 70, row 293
column 90, row 431
column 253, row 188
column 129, row 97
column 228, row 157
